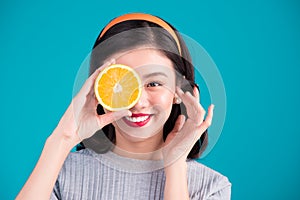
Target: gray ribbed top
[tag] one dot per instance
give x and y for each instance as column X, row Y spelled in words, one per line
column 88, row 175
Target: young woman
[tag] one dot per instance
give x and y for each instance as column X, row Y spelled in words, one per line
column 145, row 152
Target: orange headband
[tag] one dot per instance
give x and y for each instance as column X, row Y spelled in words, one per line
column 142, row 16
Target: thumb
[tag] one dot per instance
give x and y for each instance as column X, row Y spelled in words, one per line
column 178, row 124
column 177, row 127
column 110, row 117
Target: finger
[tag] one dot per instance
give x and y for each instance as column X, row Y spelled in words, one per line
column 192, row 133
column 208, row 120
column 87, row 88
column 88, row 85
column 209, row 116
column 110, row 117
column 186, row 97
column 179, row 123
column 177, row 127
column 196, row 93
column 194, row 109
column 102, row 67
column 106, row 64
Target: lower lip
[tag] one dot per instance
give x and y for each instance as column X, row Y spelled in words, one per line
column 137, row 124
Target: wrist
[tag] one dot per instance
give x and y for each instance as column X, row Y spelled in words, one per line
column 179, row 166
column 62, row 141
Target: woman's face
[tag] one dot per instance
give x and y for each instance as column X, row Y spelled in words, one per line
column 158, row 89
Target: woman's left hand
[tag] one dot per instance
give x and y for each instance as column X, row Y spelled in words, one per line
column 186, row 132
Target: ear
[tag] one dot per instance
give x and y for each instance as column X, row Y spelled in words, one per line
column 176, row 99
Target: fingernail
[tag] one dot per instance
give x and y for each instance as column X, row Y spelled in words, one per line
column 111, row 61
column 182, row 117
column 126, row 112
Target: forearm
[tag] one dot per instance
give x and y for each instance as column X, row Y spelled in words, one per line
column 41, row 181
column 176, row 186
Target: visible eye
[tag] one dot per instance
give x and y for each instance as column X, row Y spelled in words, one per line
column 153, row 84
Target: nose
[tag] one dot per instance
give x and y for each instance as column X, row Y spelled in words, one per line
column 142, row 103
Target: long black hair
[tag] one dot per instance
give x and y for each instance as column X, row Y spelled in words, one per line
column 132, row 34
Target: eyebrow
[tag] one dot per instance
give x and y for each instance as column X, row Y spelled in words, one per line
column 155, row 74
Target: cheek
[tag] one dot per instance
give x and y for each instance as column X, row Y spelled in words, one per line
column 164, row 100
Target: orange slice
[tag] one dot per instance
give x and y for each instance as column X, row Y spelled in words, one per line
column 118, row 87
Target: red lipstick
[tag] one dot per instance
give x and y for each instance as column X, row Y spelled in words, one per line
column 135, row 119
column 139, row 114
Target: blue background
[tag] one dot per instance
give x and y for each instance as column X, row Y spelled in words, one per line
column 255, row 44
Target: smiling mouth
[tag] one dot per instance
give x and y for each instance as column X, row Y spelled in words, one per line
column 137, row 120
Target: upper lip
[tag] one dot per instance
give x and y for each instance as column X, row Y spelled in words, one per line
column 139, row 114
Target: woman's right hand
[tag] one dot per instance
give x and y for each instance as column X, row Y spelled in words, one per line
column 81, row 121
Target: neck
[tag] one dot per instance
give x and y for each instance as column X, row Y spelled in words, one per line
column 146, row 148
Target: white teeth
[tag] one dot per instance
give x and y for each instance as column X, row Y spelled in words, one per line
column 137, row 119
